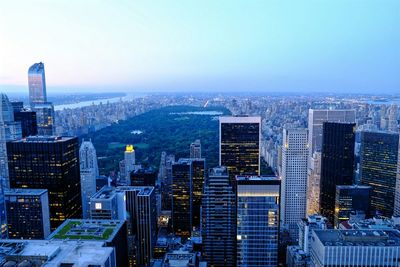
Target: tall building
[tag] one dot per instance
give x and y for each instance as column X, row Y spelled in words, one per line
column 26, row 118
column 182, row 189
column 197, row 175
column 353, row 248
column 393, row 123
column 130, row 160
column 28, row 215
column 166, row 182
column 239, row 145
column 337, row 163
column 108, row 204
column 378, row 169
column 313, row 184
column 141, row 210
column 143, row 177
column 294, row 178
column 316, row 118
column 3, row 215
column 195, row 149
column 219, row 219
column 9, row 130
column 257, row 232
column 50, row 163
column 45, row 118
column 89, row 172
column 37, row 84
column 351, row 198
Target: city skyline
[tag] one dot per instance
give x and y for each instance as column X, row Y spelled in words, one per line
column 336, row 46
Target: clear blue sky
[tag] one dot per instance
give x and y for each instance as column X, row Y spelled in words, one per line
column 325, row 46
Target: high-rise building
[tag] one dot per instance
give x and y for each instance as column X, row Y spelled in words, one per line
column 257, row 232
column 89, row 172
column 50, row 163
column 378, row 168
column 141, row 206
column 37, row 84
column 353, row 248
column 28, row 215
column 108, row 204
column 294, row 178
column 197, row 175
column 337, row 163
column 239, row 145
column 351, row 198
column 219, row 219
column 3, row 216
column 182, row 189
column 27, row 118
column 143, row 177
column 313, row 184
column 9, row 130
column 393, row 123
column 130, row 160
column 38, row 100
column 316, row 118
column 195, row 149
column 166, row 182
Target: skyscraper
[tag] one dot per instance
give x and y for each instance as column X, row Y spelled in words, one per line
column 378, row 168
column 337, row 163
column 37, row 84
column 197, row 175
column 313, row 184
column 239, row 145
column 89, row 172
column 195, row 149
column 108, row 204
column 258, row 200
column 351, row 198
column 27, row 119
column 3, row 215
column 143, row 177
column 182, row 197
column 294, row 178
column 50, row 163
column 38, row 100
column 9, row 130
column 219, row 219
column 28, row 214
column 166, row 182
column 130, row 160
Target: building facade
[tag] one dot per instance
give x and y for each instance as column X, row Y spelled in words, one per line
column 195, row 149
column 337, row 163
column 50, row 163
column 257, row 232
column 294, row 178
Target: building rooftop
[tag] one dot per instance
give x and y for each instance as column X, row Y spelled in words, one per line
column 54, row 253
column 106, row 192
column 358, row 237
column 44, row 139
column 37, row 67
column 253, row 178
column 218, row 171
column 71, row 229
column 25, row 191
column 143, row 190
column 179, row 258
column 239, row 119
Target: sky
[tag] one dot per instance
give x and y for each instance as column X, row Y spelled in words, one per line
column 223, row 46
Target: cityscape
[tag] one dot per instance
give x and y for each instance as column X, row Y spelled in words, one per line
column 196, row 178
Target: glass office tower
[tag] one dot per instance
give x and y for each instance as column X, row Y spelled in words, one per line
column 37, row 84
column 50, row 163
column 258, row 200
column 337, row 163
column 239, row 145
column 378, row 168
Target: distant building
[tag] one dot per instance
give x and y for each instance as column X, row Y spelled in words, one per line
column 337, row 163
column 182, row 189
column 143, row 177
column 108, row 204
column 294, row 178
column 26, row 118
column 378, row 169
column 239, row 145
column 37, row 84
column 28, row 215
column 219, row 219
column 195, row 149
column 361, row 248
column 56, row 253
column 130, row 161
column 112, row 232
column 257, row 233
column 50, row 163
column 351, row 198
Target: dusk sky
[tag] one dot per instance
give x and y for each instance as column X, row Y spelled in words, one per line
column 260, row 46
